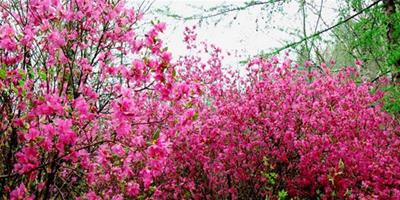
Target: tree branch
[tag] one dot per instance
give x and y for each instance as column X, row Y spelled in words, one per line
column 222, row 12
column 322, row 31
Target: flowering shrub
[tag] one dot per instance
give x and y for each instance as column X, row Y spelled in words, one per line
column 279, row 130
column 93, row 109
column 82, row 95
column 319, row 134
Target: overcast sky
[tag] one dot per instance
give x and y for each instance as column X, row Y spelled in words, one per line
column 238, row 31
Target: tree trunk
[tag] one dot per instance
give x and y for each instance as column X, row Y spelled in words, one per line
column 390, row 10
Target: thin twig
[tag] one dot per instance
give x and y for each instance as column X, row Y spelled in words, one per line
column 322, row 31
column 202, row 17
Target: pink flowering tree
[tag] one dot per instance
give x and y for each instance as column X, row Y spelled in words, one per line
column 84, row 97
column 279, row 131
column 94, row 107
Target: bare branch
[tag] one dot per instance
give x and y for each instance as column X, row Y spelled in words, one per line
column 322, row 31
column 223, row 12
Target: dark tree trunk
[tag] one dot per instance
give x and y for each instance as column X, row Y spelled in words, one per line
column 393, row 40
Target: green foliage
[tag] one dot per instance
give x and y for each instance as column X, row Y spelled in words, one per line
column 273, row 183
column 156, row 134
column 392, row 99
column 366, row 38
column 282, row 195
column 42, row 75
column 3, row 73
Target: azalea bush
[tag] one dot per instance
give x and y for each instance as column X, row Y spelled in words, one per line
column 279, row 131
column 93, row 106
column 83, row 92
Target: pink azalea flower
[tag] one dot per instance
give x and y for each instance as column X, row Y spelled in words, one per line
column 19, row 193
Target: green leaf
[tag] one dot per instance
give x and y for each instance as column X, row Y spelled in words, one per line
column 341, row 164
column 21, row 83
column 195, row 116
column 3, row 73
column 348, row 192
column 14, row 89
column 22, row 73
column 156, row 134
column 52, row 71
column 31, row 74
column 282, row 195
column 174, row 73
column 42, row 75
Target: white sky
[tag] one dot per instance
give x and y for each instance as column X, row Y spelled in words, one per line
column 240, row 35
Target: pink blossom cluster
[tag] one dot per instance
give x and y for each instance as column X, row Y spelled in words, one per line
column 93, row 106
column 313, row 135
